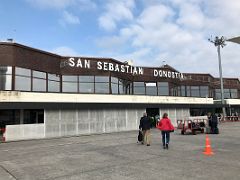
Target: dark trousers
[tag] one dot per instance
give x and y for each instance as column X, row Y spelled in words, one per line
column 165, row 137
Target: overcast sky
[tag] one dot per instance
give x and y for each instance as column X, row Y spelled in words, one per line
column 148, row 32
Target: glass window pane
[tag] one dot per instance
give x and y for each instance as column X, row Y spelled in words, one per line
column 5, row 70
column 151, row 90
column 5, row 82
column 39, row 74
column 218, row 94
column 163, row 89
column 188, row 91
column 70, row 78
column 204, row 91
column 139, row 88
column 53, row 86
column 23, row 71
column 23, row 83
column 121, row 89
column 114, row 88
column 86, row 78
column 101, row 78
column 86, row 87
column 183, row 91
column 114, row 80
column 39, row 84
column 234, row 93
column 226, row 90
column 226, row 93
column 102, row 88
column 195, row 91
column 125, row 86
column 140, row 84
column 53, row 77
column 69, row 87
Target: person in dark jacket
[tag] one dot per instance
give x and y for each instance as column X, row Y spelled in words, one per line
column 214, row 124
column 145, row 125
column 166, row 127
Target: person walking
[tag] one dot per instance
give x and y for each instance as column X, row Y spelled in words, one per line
column 214, row 125
column 145, row 125
column 166, row 127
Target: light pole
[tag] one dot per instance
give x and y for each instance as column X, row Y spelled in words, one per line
column 220, row 42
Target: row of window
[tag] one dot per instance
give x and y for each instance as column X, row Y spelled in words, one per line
column 30, row 80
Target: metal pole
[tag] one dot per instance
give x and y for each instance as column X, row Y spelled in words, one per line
column 221, row 81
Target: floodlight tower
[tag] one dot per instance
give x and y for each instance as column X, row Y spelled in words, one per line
column 220, row 42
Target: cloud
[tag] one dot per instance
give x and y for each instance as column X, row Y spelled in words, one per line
column 177, row 32
column 191, row 16
column 116, row 11
column 69, row 18
column 64, row 51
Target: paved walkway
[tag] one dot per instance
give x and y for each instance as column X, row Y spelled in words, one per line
column 117, row 156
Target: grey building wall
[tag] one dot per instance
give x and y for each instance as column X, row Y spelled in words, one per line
column 65, row 122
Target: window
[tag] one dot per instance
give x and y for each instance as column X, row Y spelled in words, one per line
column 188, row 91
column 195, row 91
column 234, row 93
column 53, row 83
column 33, row 116
column 39, row 81
column 39, row 84
column 23, row 79
column 125, row 86
column 102, row 84
column 227, row 93
column 218, row 93
column 114, row 85
column 151, row 89
column 5, row 78
column 204, row 91
column 139, row 88
column 23, row 72
column 163, row 89
column 175, row 90
column 183, row 91
column 69, row 83
column 86, row 84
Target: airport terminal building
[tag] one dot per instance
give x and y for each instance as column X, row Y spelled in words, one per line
column 47, row 95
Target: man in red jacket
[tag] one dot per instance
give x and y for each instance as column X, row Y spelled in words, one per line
column 166, row 127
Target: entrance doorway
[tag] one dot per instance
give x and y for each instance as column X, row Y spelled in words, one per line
column 153, row 114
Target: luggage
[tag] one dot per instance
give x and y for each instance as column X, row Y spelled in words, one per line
column 215, row 130
column 208, row 130
column 140, row 136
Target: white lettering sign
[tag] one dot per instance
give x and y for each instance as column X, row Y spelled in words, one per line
column 121, row 68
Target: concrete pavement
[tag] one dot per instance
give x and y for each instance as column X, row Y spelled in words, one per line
column 117, row 156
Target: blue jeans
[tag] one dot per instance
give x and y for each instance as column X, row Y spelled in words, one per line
column 165, row 137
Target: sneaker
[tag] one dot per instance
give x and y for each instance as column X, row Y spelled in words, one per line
column 148, row 144
column 166, row 146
